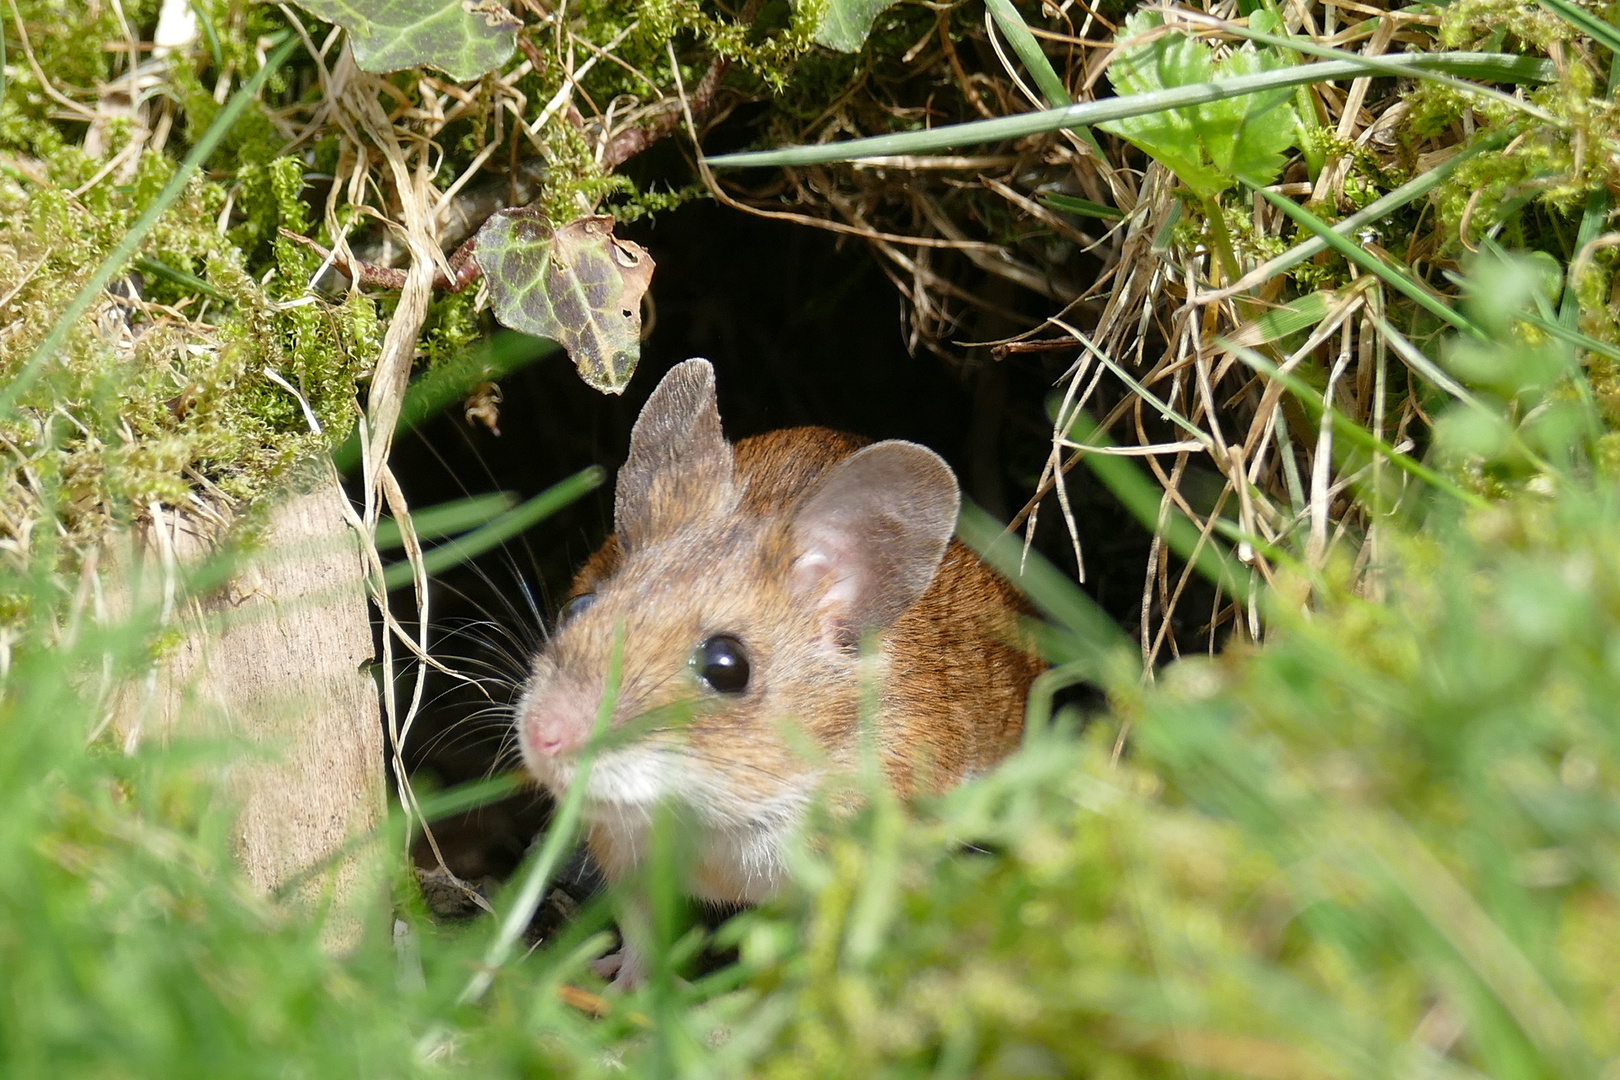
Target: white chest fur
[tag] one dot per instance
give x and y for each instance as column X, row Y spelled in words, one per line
column 734, row 848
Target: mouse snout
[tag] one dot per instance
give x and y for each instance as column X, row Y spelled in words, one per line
column 557, row 718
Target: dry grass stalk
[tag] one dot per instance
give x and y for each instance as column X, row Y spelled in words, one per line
column 1156, row 309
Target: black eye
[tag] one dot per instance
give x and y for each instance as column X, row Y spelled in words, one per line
column 575, row 606
column 722, row 663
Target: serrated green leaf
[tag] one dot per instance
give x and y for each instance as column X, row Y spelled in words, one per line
column 846, row 23
column 462, row 38
column 1248, row 136
column 1207, row 146
column 578, row 285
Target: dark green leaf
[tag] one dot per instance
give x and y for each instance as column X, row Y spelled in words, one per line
column 578, row 285
column 846, row 23
column 462, row 38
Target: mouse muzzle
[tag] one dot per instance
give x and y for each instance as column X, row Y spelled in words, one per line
column 555, row 719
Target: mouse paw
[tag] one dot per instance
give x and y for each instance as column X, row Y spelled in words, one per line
column 605, row 967
column 625, row 969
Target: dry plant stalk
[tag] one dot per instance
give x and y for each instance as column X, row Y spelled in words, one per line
column 1144, row 329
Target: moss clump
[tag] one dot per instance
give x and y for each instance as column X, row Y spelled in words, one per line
column 147, row 400
column 452, row 327
column 574, row 183
column 177, row 385
column 1501, row 25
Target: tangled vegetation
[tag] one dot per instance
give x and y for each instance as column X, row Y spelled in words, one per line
column 1360, row 332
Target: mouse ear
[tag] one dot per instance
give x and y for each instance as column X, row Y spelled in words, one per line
column 679, row 468
column 869, row 537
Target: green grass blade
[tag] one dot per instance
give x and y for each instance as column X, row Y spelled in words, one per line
column 1491, row 66
column 1421, row 364
column 179, row 277
column 1592, row 219
column 497, row 356
column 469, row 796
column 1143, row 498
column 1573, row 337
column 1432, row 372
column 1068, row 204
column 1379, row 208
column 446, row 519
column 125, row 248
column 1392, row 277
column 1054, row 594
column 1349, row 429
column 1165, row 412
column 1296, row 315
column 1029, row 51
column 200, row 9
column 501, row 529
column 442, row 804
column 1538, row 71
column 559, row 839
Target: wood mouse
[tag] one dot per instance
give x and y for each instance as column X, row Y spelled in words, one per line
column 745, row 578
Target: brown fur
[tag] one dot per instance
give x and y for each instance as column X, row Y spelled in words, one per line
column 959, row 668
column 954, row 668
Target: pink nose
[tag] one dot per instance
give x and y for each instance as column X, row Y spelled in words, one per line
column 559, row 720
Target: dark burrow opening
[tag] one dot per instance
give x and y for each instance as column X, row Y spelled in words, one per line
column 802, row 327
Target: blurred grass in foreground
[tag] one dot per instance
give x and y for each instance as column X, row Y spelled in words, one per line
column 1382, row 845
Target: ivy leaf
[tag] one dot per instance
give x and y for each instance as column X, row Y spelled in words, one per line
column 1207, row 146
column 846, row 23
column 462, row 38
column 577, row 284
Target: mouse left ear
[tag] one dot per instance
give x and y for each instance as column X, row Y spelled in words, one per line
column 680, row 466
column 869, row 537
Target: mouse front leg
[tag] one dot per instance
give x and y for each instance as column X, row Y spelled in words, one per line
column 627, row 969
column 617, row 849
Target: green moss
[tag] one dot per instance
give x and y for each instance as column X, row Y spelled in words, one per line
column 1500, row 25
column 65, row 41
column 575, row 184
column 650, row 202
column 451, row 328
column 143, row 401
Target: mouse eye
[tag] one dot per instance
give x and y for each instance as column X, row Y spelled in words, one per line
column 575, row 606
column 722, row 663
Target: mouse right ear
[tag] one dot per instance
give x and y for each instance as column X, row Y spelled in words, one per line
column 680, row 468
column 869, row 537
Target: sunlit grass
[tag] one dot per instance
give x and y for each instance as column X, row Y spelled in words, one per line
column 1383, row 842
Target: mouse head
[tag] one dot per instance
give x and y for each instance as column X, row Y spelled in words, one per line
column 742, row 581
